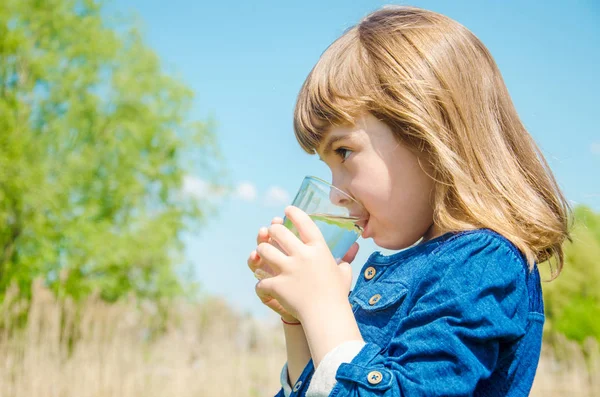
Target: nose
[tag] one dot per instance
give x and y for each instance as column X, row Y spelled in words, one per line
column 335, row 193
column 338, row 198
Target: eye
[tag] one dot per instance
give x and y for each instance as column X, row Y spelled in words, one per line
column 343, row 153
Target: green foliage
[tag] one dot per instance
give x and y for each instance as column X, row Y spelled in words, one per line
column 93, row 138
column 573, row 299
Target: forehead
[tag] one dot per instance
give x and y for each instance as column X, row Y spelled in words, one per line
column 361, row 131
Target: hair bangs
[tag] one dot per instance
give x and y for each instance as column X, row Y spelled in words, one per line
column 335, row 92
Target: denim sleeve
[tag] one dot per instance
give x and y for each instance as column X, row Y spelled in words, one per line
column 299, row 388
column 472, row 299
column 281, row 393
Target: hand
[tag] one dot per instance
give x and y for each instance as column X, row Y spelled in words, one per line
column 262, row 270
column 306, row 274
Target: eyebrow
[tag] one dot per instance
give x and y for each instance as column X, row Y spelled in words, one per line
column 330, row 143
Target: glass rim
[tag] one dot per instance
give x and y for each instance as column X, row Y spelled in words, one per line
column 317, row 179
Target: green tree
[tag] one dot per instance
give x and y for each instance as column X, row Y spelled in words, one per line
column 95, row 142
column 573, row 299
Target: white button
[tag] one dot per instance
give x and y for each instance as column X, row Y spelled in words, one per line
column 374, row 299
column 297, row 385
column 370, row 272
column 374, row 377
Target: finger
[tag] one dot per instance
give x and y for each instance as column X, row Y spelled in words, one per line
column 274, row 305
column 285, row 239
column 263, row 235
column 351, row 254
column 346, row 271
column 253, row 261
column 258, row 267
column 307, row 229
column 276, row 259
column 261, row 274
column 265, row 289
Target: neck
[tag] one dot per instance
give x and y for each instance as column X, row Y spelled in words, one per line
column 433, row 232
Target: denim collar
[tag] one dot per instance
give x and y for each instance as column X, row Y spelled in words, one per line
column 381, row 259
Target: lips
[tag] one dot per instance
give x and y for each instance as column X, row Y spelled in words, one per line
column 365, row 233
column 363, row 218
column 362, row 223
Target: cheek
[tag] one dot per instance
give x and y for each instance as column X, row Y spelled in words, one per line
column 371, row 182
column 374, row 191
column 400, row 206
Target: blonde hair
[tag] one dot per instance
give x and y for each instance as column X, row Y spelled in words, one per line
column 438, row 88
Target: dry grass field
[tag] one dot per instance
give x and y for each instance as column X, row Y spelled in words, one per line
column 205, row 350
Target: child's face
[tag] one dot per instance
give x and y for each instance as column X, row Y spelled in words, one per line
column 385, row 177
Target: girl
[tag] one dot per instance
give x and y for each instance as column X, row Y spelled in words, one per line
column 410, row 113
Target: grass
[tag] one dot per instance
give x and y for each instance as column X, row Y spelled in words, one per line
column 206, row 349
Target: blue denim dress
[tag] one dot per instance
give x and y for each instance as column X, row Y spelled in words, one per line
column 459, row 315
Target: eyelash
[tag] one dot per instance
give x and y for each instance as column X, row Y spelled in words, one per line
column 341, row 153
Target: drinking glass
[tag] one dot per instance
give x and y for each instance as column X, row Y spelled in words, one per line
column 339, row 217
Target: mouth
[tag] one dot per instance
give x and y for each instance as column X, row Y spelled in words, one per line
column 365, row 233
column 362, row 222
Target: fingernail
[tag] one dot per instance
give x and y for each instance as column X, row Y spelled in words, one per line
column 261, row 274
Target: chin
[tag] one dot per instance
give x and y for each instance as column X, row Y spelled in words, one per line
column 394, row 245
column 398, row 243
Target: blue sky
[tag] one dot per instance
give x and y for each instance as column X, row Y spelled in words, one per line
column 246, row 61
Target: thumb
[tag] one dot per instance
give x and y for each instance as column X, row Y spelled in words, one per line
column 346, row 271
column 351, row 254
column 265, row 290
